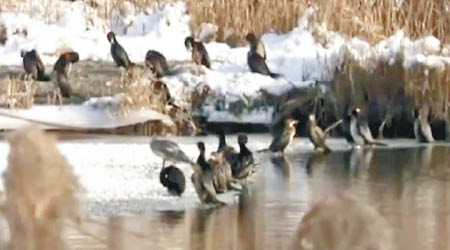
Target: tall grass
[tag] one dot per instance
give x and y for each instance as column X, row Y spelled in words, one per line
column 17, row 93
column 367, row 19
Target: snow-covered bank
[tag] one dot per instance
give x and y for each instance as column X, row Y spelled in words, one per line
column 298, row 54
column 74, row 117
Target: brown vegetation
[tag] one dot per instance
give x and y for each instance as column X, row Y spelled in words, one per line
column 341, row 222
column 16, row 93
column 40, row 191
column 369, row 20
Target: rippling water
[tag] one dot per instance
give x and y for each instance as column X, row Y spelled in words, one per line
column 406, row 182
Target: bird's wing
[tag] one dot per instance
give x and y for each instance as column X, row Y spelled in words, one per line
column 40, row 66
column 176, row 176
column 331, row 127
column 426, row 132
column 257, row 64
column 275, row 145
column 365, row 131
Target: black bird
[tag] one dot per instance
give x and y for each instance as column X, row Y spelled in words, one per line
column 157, row 63
column 422, row 129
column 33, row 65
column 199, row 53
column 256, row 45
column 242, row 162
column 283, row 138
column 203, row 179
column 345, row 126
column 173, row 179
column 226, row 150
column 169, row 150
column 360, row 131
column 222, row 160
column 257, row 63
column 118, row 53
column 62, row 69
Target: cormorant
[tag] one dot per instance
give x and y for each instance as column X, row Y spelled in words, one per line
column 199, row 53
column 157, row 63
column 169, row 151
column 226, row 150
column 256, row 45
column 316, row 134
column 118, row 53
column 33, row 65
column 422, row 129
column 284, row 138
column 173, row 179
column 203, row 179
column 242, row 162
column 62, row 68
column 256, row 62
column 360, row 131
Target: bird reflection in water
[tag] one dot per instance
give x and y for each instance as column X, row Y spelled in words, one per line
column 283, row 164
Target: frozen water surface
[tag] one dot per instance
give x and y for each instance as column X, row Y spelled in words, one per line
column 405, row 182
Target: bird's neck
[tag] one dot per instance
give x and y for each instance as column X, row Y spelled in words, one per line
column 243, row 148
column 202, row 162
column 222, row 142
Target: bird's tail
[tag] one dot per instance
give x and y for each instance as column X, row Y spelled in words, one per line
column 173, row 72
column 375, row 142
column 263, row 150
column 44, row 77
column 275, row 75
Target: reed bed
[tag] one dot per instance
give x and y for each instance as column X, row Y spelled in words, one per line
column 142, row 91
column 367, row 19
column 17, row 93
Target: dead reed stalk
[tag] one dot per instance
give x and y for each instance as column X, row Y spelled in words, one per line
column 16, row 93
column 40, row 191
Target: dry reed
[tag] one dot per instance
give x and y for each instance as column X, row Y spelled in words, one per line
column 369, row 20
column 40, row 191
column 16, row 93
column 340, row 222
column 140, row 92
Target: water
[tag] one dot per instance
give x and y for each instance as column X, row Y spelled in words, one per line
column 406, row 183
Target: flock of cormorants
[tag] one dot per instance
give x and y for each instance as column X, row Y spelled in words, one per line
column 226, row 167
column 154, row 60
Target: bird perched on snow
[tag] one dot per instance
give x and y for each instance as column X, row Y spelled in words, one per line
column 256, row 45
column 62, row 69
column 422, row 129
column 118, row 53
column 359, row 129
column 33, row 65
column 256, row 62
column 199, row 53
column 173, row 179
column 283, row 138
column 317, row 136
column 157, row 63
column 203, row 179
column 169, row 151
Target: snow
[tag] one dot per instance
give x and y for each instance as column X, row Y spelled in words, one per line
column 297, row 54
column 115, row 169
column 96, row 115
